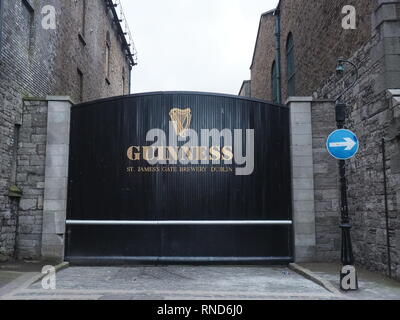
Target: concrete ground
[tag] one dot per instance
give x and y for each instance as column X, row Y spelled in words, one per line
column 176, row 283
column 13, row 275
column 372, row 286
column 22, row 282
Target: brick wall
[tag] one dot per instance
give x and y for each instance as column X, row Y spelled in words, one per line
column 245, row 90
column 35, row 63
column 375, row 48
column 264, row 56
column 88, row 53
column 319, row 40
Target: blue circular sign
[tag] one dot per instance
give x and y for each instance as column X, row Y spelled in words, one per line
column 342, row 144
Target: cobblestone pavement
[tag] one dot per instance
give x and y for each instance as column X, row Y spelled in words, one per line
column 176, row 282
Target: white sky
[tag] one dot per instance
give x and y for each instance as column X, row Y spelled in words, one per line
column 194, row 45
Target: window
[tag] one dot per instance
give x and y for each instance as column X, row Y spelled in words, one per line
column 107, row 62
column 123, row 80
column 29, row 23
column 291, row 68
column 15, row 154
column 82, row 26
column 274, row 83
column 83, row 17
column 80, row 76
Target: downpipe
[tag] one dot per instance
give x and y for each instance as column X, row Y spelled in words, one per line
column 384, row 168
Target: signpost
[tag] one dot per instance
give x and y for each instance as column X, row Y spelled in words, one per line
column 343, row 144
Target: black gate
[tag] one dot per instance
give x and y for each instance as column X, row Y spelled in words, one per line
column 123, row 208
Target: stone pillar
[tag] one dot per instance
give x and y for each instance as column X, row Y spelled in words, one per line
column 303, row 178
column 386, row 21
column 56, row 178
column 326, row 183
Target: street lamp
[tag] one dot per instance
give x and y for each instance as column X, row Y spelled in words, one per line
column 347, row 256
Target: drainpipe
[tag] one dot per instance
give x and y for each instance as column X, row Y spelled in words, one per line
column 389, row 262
column 277, row 15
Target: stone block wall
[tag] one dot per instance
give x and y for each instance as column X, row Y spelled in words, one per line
column 30, row 178
column 372, row 116
column 326, row 186
column 301, row 145
column 316, row 205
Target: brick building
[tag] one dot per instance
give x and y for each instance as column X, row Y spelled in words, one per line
column 301, row 23
column 80, row 49
column 294, row 62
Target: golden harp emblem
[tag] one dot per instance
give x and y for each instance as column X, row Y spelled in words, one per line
column 181, row 119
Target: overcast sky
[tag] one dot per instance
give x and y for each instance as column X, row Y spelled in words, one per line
column 195, row 45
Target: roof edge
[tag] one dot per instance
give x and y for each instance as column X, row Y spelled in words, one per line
column 267, row 13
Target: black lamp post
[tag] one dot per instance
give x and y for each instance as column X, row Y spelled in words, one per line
column 347, row 256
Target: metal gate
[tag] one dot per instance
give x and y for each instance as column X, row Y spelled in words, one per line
column 131, row 202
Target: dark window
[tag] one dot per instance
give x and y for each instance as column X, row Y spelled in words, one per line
column 15, row 154
column 123, row 80
column 291, row 67
column 29, row 23
column 80, row 76
column 1, row 23
column 83, row 22
column 108, row 52
column 274, row 83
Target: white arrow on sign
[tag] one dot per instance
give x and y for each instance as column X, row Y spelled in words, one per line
column 348, row 143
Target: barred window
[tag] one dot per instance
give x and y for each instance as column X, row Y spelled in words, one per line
column 274, row 82
column 291, row 68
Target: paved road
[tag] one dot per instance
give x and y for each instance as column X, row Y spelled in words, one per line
column 177, row 282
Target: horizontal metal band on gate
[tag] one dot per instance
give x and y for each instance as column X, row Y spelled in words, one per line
column 178, row 223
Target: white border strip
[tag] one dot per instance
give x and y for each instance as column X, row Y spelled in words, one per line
column 176, row 222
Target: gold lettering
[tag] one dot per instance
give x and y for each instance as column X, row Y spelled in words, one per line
column 187, row 153
column 215, row 154
column 146, row 153
column 227, row 154
column 202, row 153
column 134, row 156
column 161, row 153
column 173, row 153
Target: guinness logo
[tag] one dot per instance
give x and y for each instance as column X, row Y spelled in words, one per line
column 204, row 147
column 181, row 119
